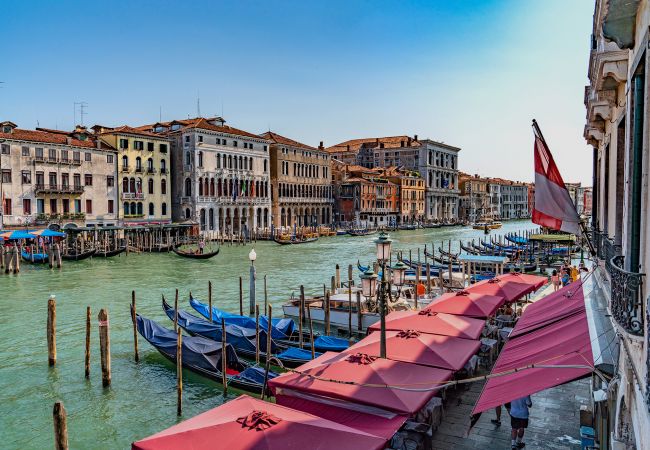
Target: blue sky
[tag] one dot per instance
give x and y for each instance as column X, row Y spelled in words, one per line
column 468, row 73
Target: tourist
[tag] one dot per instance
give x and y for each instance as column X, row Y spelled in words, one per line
column 566, row 279
column 555, row 279
column 497, row 421
column 518, row 410
column 574, row 273
column 201, row 246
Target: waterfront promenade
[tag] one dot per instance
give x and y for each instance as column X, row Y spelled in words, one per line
column 142, row 398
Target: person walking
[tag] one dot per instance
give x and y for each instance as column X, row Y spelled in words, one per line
column 555, row 279
column 518, row 410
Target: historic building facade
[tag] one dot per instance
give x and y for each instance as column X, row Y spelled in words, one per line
column 53, row 176
column 143, row 174
column 411, row 194
column 436, row 163
column 301, row 187
column 474, row 198
column 616, row 128
column 220, row 175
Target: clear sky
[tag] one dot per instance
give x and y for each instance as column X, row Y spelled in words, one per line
column 469, row 73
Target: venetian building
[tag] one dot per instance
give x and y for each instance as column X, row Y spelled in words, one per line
column 616, row 129
column 438, row 165
column 220, row 175
column 411, row 194
column 143, row 174
column 53, row 176
column 475, row 200
column 301, row 188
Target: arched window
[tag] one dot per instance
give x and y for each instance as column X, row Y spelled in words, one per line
column 163, row 165
column 150, row 165
column 133, row 209
column 126, row 208
column 150, row 183
column 235, row 166
column 265, row 164
column 212, row 187
column 188, row 187
column 138, row 164
column 200, row 159
column 164, row 209
column 230, row 161
column 132, row 185
column 163, row 186
column 140, row 210
column 188, row 158
column 224, row 162
column 245, row 163
column 202, row 219
column 125, row 162
column 138, row 186
column 151, row 209
column 218, row 161
column 241, row 164
column 187, row 213
column 125, row 184
column 250, row 163
column 200, row 186
column 211, row 218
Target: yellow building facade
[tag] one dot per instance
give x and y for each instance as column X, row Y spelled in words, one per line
column 144, row 182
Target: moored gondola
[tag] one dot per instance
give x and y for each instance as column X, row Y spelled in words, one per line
column 78, row 256
column 361, row 232
column 110, row 253
column 36, row 258
column 203, row 356
column 294, row 240
column 193, row 255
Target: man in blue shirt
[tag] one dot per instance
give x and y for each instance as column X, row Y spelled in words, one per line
column 518, row 410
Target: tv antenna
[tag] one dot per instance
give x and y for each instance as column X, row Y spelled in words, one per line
column 82, row 106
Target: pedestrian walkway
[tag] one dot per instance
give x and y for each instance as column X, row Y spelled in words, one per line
column 554, row 420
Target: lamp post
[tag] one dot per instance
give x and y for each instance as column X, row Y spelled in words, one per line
column 384, row 245
column 252, row 256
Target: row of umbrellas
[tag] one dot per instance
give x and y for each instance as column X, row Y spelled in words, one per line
column 23, row 234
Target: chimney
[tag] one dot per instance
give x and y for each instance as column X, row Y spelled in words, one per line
column 415, row 137
column 320, row 146
column 98, row 143
column 68, row 140
column 409, row 141
column 377, row 142
column 348, row 147
column 401, row 143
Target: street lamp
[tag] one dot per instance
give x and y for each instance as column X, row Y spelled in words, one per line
column 252, row 256
column 368, row 283
column 384, row 244
column 398, row 274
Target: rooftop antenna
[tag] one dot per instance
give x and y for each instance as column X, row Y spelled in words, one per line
column 198, row 104
column 160, row 114
column 82, row 112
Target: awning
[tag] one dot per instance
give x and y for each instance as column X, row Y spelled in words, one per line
column 420, row 348
column 511, row 286
column 465, row 303
column 550, row 356
column 247, row 423
column 563, row 303
column 432, row 323
column 363, row 380
column 384, row 427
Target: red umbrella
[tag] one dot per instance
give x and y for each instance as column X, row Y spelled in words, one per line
column 248, row 423
column 393, row 386
column 420, row 348
column 465, row 303
column 511, row 287
column 433, row 323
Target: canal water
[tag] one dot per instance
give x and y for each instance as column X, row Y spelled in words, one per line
column 142, row 398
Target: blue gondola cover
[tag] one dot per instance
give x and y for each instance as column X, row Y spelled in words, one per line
column 330, row 344
column 297, row 353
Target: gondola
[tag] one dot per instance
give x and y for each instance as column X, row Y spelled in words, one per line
column 203, row 356
column 361, row 232
column 294, row 241
column 528, row 267
column 111, row 253
column 242, row 339
column 36, row 258
column 443, row 252
column 160, row 249
column 195, row 255
column 78, row 256
column 283, row 332
column 468, row 249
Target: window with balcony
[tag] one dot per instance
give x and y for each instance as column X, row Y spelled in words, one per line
column 65, row 179
column 163, row 166
column 26, row 177
column 150, row 165
column 52, row 178
column 51, row 154
column 77, row 180
column 25, row 151
column 76, row 157
column 39, row 153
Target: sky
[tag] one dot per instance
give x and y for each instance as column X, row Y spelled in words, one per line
column 472, row 74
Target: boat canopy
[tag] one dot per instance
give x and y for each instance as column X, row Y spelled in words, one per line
column 465, row 303
column 554, row 238
column 48, row 233
column 433, row 323
column 297, row 353
column 411, row 346
column 282, row 328
column 355, row 378
column 485, row 259
column 329, row 344
column 246, row 423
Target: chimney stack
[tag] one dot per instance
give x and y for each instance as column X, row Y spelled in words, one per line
column 415, row 137
column 321, row 147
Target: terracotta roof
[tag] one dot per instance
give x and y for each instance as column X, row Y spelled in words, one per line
column 52, row 137
column 279, row 139
column 202, row 123
column 130, row 130
column 388, row 141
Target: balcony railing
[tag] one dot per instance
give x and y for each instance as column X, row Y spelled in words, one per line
column 58, row 189
column 132, row 195
column 163, row 171
column 151, row 170
column 138, row 169
column 125, row 168
column 626, row 302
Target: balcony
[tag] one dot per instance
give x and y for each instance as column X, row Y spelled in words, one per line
column 125, row 168
column 151, row 170
column 76, row 162
column 163, row 171
column 132, row 196
column 58, row 189
column 626, row 302
column 138, row 170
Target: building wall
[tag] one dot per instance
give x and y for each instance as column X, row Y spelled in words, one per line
column 438, row 165
column 87, row 199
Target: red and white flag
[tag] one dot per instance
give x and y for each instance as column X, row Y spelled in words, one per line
column 553, row 205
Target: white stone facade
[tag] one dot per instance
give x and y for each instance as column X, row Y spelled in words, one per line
column 438, row 165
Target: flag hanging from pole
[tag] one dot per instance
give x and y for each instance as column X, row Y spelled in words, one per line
column 553, row 205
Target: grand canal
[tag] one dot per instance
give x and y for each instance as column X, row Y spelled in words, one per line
column 142, row 398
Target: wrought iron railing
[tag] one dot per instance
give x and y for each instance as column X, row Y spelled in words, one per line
column 610, row 250
column 626, row 302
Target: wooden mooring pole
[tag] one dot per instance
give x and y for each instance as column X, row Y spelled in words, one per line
column 301, row 314
column 311, row 332
column 87, row 352
column 266, row 301
column 179, row 373
column 257, row 334
column 135, row 328
column 224, row 357
column 51, row 330
column 210, row 299
column 268, row 352
column 241, row 297
column 60, row 426
column 104, row 347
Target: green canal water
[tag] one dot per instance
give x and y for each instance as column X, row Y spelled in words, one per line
column 142, row 398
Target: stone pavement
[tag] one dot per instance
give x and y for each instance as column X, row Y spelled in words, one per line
column 554, row 420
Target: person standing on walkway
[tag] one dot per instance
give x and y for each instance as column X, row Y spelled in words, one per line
column 518, row 410
column 555, row 279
